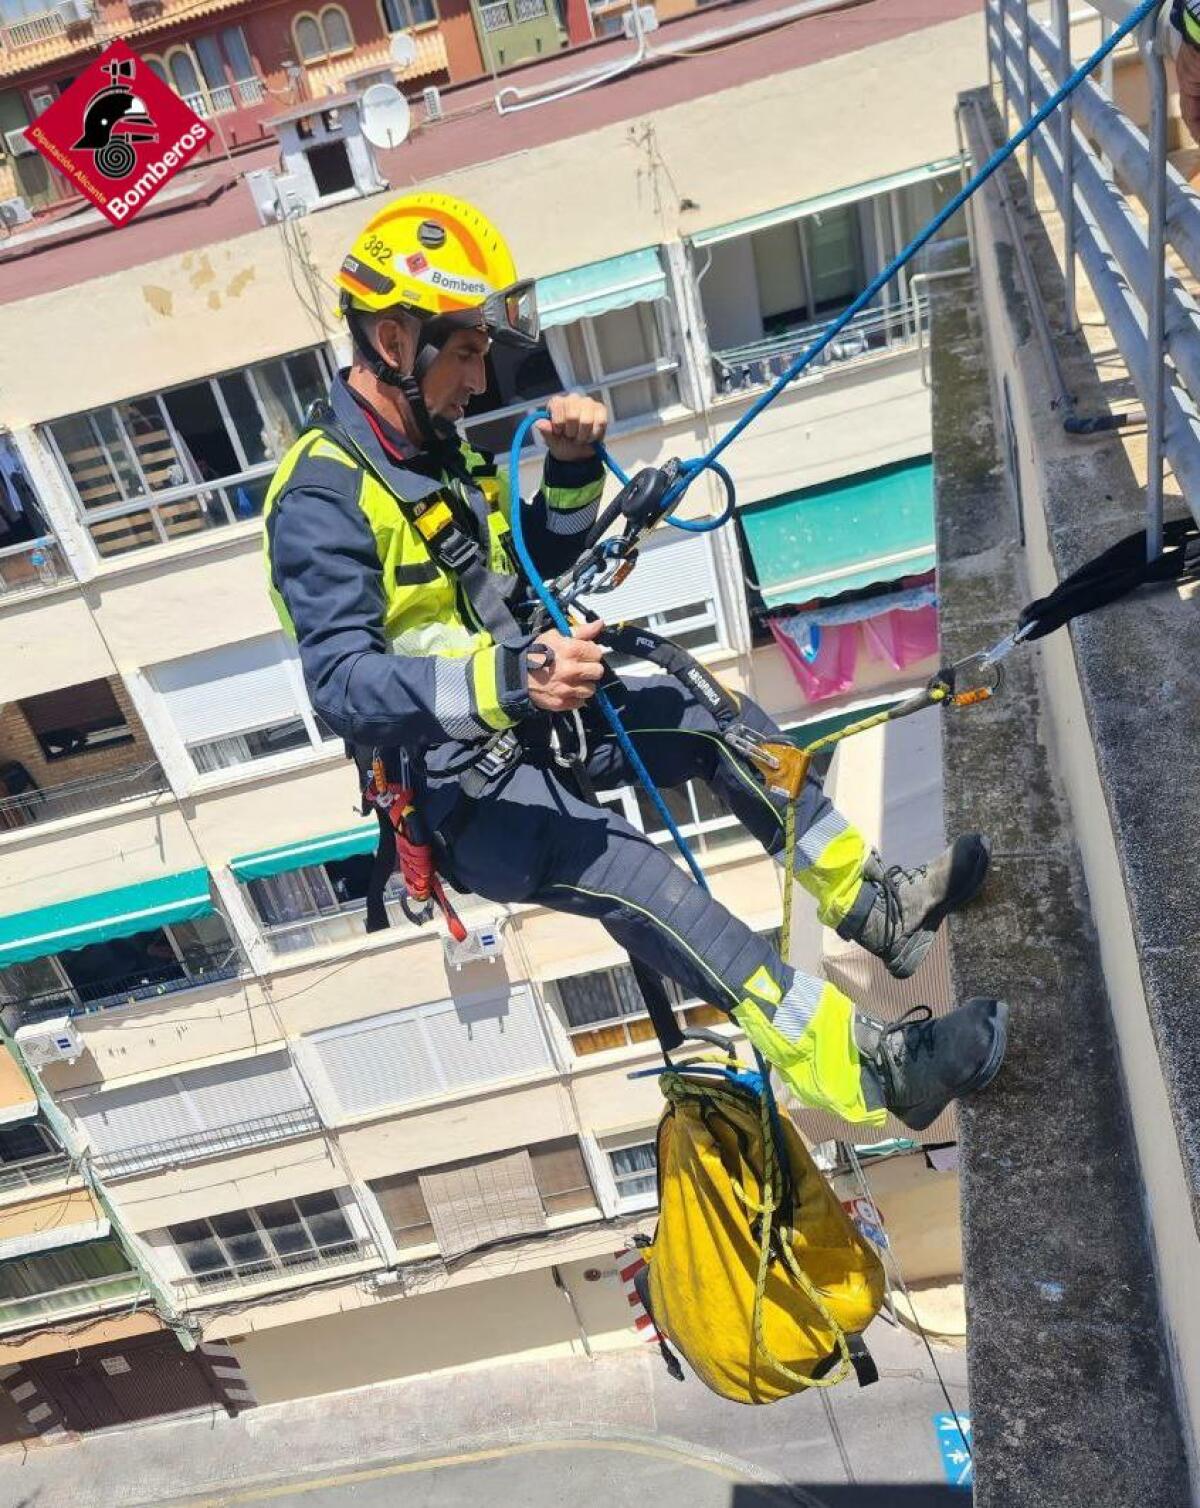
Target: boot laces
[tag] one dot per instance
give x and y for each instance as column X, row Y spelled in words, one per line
column 915, row 1030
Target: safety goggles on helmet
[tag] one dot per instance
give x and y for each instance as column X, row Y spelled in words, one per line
column 511, row 316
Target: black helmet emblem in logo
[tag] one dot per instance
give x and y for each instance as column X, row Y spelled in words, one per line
column 431, row 234
column 114, row 119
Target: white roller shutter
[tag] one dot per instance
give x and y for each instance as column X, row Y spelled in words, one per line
column 668, row 574
column 189, row 1116
column 475, row 1042
column 429, row 1049
column 229, row 690
column 235, row 1092
column 124, row 1125
column 379, row 1062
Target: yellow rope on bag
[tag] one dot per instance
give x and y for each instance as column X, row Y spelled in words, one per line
column 720, row 1231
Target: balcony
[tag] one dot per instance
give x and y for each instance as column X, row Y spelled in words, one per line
column 195, row 969
column 755, row 365
column 47, row 27
column 176, row 1151
column 36, row 565
column 76, row 798
column 273, row 1269
column 27, row 1175
column 75, row 1298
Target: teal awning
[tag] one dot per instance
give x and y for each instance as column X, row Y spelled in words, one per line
column 844, row 535
column 343, row 845
column 823, row 202
column 97, row 918
column 636, row 278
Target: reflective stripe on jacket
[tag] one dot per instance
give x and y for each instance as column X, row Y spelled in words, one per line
column 390, row 653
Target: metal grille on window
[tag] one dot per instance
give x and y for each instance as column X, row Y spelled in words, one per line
column 267, row 1241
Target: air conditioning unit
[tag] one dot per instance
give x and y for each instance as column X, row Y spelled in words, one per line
column 432, row 98
column 14, row 212
column 277, row 195
column 648, row 16
column 18, row 143
column 479, row 943
column 53, row 1041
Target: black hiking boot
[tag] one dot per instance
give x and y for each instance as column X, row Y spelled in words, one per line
column 918, row 1064
column 897, row 911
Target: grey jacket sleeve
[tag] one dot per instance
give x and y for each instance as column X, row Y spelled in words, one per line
column 325, row 566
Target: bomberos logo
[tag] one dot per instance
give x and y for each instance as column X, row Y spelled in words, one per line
column 118, row 133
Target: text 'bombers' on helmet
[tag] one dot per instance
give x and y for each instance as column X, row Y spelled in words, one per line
column 432, row 252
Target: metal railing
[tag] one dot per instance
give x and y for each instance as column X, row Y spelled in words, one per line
column 27, row 33
column 201, row 967
column 274, row 1268
column 34, row 566
column 761, row 361
column 194, row 1146
column 496, row 16
column 1098, row 166
column 348, row 924
column 23, row 1175
column 75, row 797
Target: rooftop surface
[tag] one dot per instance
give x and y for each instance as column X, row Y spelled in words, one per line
column 215, row 207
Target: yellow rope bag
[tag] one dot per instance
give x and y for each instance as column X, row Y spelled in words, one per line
column 756, row 1274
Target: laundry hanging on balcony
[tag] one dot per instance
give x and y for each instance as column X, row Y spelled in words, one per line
column 822, row 643
column 99, row 918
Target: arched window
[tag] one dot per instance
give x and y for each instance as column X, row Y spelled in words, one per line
column 336, row 26
column 156, row 67
column 186, row 79
column 310, row 44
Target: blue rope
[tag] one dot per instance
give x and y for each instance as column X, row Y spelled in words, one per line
column 947, row 212
column 559, row 619
column 708, row 461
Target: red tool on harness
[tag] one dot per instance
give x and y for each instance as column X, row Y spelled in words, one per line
column 413, row 852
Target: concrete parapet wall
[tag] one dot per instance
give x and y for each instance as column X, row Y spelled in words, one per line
column 1084, row 1341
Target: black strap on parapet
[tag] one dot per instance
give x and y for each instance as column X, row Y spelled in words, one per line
column 461, row 557
column 1113, row 575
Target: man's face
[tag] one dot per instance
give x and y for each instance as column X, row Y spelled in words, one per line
column 457, row 375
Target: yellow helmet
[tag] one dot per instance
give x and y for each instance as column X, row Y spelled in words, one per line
column 444, row 261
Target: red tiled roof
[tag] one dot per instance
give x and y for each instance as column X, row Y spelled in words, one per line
column 473, row 132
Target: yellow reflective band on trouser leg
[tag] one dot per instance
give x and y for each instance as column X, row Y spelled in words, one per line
column 484, row 686
column 809, row 1040
column 829, row 864
column 1191, row 27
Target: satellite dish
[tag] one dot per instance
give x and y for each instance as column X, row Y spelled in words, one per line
column 404, row 49
column 385, row 115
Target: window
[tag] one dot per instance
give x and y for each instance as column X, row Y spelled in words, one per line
column 72, row 1277
column 672, row 589
column 427, row 1050
column 269, row 1240
column 160, row 467
column 605, row 1009
column 767, row 293
column 322, row 36
column 621, row 357
column 322, row 903
column 401, row 15
column 29, row 1154
column 122, row 970
column 468, row 1205
column 634, row 1167
column 240, row 703
column 76, row 720
column 214, row 73
column 184, row 1117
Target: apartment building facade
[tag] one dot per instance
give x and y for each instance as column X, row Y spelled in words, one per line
column 299, row 1157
